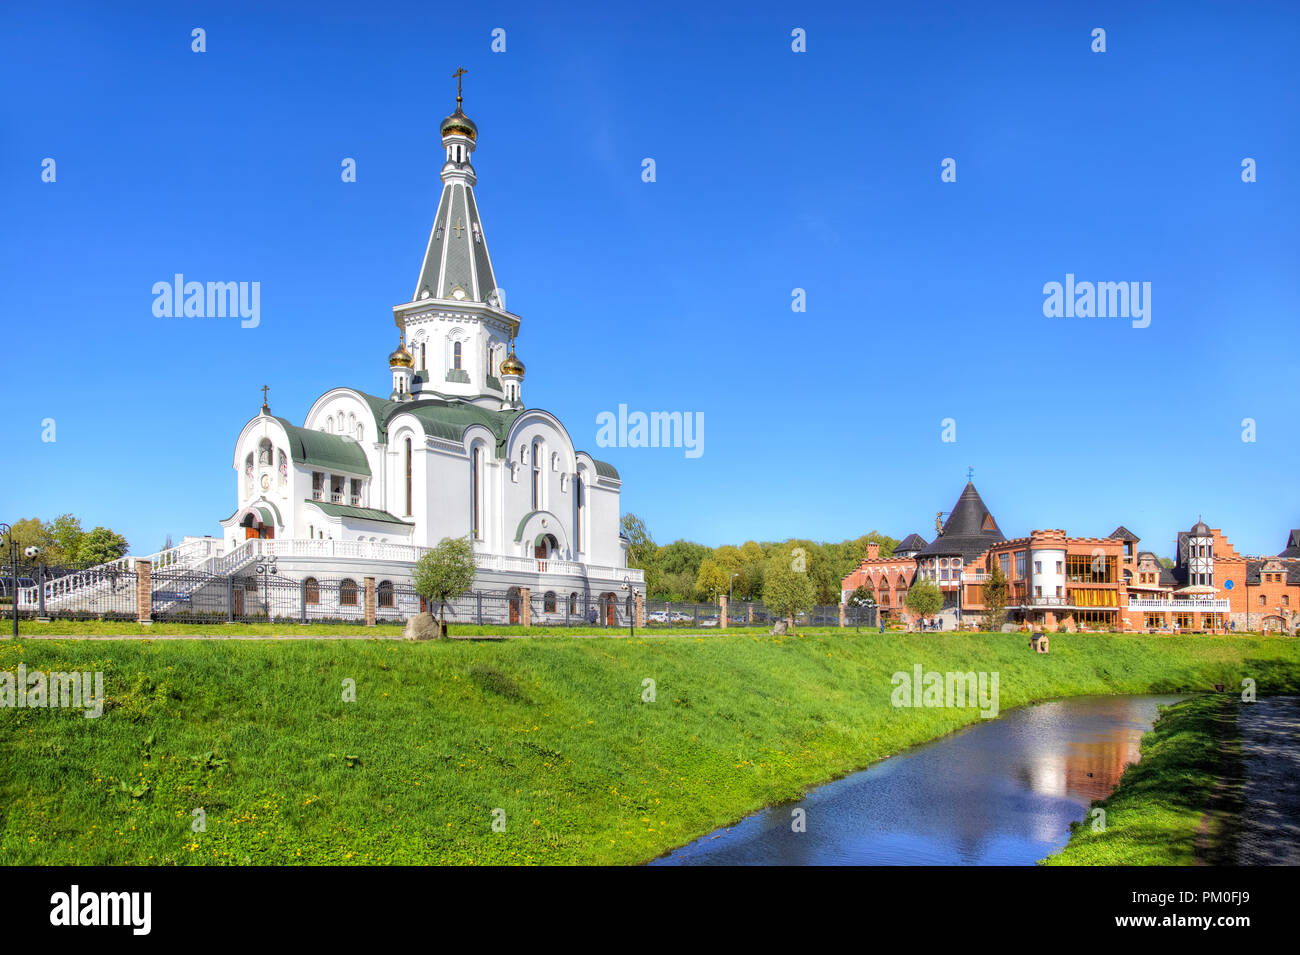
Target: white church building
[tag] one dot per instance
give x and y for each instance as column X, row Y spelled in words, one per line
column 367, row 481
column 357, row 491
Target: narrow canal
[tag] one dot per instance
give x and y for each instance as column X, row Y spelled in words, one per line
column 1000, row 792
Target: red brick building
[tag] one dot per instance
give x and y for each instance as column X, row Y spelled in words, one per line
column 1055, row 581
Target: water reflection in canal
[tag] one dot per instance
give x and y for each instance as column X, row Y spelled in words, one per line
column 1001, row 792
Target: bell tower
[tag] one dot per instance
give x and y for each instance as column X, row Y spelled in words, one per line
column 457, row 314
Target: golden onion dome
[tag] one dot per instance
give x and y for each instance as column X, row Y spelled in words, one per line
column 459, row 124
column 401, row 357
column 511, row 365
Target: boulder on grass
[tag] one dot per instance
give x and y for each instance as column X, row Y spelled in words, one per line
column 778, row 629
column 421, row 627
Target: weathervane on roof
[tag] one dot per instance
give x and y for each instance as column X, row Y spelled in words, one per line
column 461, row 71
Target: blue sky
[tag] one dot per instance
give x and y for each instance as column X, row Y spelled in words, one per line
column 775, row 170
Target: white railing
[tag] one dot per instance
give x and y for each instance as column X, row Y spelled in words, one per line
column 204, row 555
column 1191, row 605
column 186, row 554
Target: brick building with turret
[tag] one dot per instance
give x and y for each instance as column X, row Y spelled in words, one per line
column 1055, row 581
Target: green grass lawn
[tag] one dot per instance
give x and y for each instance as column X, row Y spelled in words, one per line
column 1161, row 814
column 553, row 731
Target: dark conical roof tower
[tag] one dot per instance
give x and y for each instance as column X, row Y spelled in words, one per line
column 969, row 531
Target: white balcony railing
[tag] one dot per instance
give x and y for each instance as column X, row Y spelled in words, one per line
column 1192, row 605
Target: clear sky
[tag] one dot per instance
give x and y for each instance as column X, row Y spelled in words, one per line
column 775, row 170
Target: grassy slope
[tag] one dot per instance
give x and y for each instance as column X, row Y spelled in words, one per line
column 585, row 771
column 1158, row 815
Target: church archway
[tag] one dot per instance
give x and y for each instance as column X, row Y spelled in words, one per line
column 609, row 608
column 258, row 524
column 545, row 546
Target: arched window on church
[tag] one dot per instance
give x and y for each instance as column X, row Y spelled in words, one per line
column 548, row 602
column 537, row 475
column 283, row 468
column 424, row 356
column 264, row 451
column 408, row 477
column 248, row 472
column 311, row 591
column 384, row 594
column 348, row 593
column 475, row 491
column 578, row 503
column 455, row 356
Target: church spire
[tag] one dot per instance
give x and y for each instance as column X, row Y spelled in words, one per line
column 456, row 263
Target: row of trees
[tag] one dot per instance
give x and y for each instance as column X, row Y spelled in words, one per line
column 63, row 541
column 685, row 570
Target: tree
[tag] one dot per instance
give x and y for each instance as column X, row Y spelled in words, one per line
column 995, row 598
column 729, row 557
column 749, row 585
column 924, row 599
column 65, row 539
column 28, row 532
column 640, row 545
column 100, row 546
column 444, row 572
column 682, row 556
column 1166, row 563
column 712, row 581
column 786, row 590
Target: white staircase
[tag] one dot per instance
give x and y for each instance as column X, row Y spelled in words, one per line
column 114, row 582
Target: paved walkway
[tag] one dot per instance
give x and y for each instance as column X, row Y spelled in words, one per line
column 553, row 632
column 1270, row 751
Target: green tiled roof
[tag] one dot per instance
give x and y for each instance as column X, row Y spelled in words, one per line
column 458, row 374
column 330, row 452
column 494, row 382
column 362, row 513
column 450, row 419
column 606, row 470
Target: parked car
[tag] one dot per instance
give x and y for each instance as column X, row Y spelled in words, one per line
column 709, row 622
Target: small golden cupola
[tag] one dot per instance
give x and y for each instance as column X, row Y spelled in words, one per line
column 511, row 365
column 512, row 378
column 401, row 357
column 401, row 363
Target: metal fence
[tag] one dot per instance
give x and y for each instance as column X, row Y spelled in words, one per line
column 190, row 597
column 262, row 596
column 69, row 592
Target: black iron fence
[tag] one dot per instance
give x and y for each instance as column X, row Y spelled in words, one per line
column 263, row 596
column 68, row 591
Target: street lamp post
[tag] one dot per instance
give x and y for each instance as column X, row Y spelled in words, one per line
column 8, row 533
column 631, row 596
